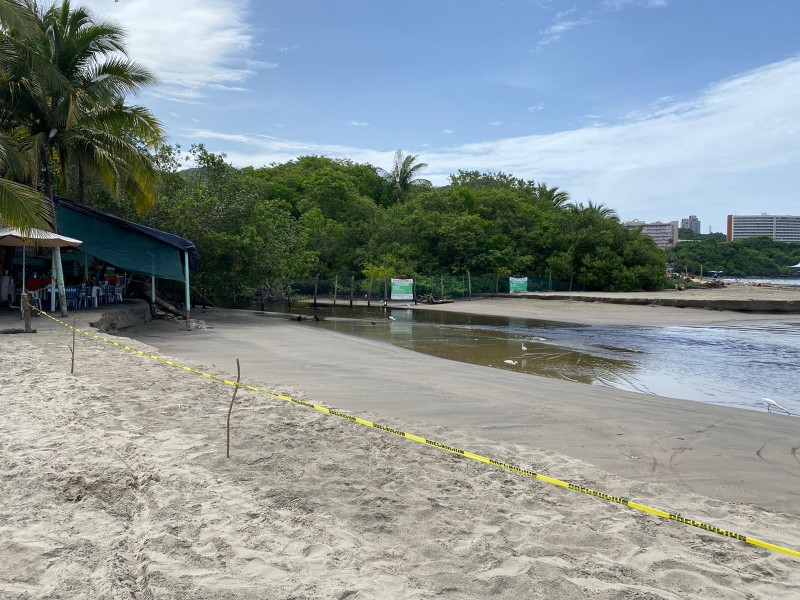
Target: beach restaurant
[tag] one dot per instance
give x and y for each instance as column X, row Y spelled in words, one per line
column 123, row 245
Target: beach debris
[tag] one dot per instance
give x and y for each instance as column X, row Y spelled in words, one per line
column 772, row 405
column 72, row 348
column 510, row 362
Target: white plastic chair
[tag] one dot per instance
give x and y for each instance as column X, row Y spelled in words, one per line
column 83, row 296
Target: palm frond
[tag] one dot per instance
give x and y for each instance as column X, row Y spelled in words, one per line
column 23, row 207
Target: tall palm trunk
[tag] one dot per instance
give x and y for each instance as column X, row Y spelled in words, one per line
column 44, row 156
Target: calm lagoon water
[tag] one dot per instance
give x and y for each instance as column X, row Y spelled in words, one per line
column 732, row 365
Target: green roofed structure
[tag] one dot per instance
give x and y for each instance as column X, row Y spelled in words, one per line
column 128, row 245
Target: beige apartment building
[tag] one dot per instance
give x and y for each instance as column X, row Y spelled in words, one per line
column 665, row 235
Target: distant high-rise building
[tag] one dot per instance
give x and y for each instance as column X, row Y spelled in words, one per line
column 665, row 235
column 692, row 223
column 781, row 228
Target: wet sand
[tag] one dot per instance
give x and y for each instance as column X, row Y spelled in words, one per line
column 733, row 454
column 641, row 308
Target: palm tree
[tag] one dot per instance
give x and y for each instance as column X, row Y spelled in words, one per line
column 80, row 122
column 552, row 196
column 403, row 175
column 21, row 206
column 63, row 79
column 601, row 210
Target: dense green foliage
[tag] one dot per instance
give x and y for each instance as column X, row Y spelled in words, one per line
column 752, row 257
column 316, row 216
column 688, row 234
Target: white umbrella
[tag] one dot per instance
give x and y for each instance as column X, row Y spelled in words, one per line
column 34, row 237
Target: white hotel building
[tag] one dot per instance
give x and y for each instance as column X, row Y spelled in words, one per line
column 781, row 228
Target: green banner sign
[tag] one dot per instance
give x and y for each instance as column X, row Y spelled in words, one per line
column 402, row 289
column 517, row 284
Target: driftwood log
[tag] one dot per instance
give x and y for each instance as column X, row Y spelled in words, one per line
column 166, row 306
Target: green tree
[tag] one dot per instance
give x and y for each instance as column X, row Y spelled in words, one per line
column 80, row 123
column 404, row 175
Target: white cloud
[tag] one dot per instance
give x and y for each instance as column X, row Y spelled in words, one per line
column 447, row 131
column 559, row 28
column 560, row 16
column 567, row 20
column 359, row 124
column 260, row 64
column 263, row 150
column 495, row 123
column 615, row 5
column 735, row 147
column 536, row 107
column 191, row 45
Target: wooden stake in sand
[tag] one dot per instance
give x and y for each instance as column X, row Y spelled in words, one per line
column 230, row 408
column 26, row 312
column 72, row 348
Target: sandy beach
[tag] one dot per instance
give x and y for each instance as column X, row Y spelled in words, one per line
column 116, row 485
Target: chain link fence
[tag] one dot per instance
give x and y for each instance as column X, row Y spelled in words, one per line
column 438, row 287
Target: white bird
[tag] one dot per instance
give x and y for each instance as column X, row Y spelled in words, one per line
column 510, row 362
column 392, row 319
column 772, row 404
column 524, row 347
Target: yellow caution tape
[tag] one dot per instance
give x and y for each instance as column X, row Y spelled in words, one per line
column 446, row 448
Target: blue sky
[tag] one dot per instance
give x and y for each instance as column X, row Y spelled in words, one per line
column 655, row 108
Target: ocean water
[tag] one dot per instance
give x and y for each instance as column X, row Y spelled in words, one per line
column 731, row 365
column 776, row 282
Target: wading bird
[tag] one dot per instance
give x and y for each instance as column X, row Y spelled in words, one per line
column 771, row 404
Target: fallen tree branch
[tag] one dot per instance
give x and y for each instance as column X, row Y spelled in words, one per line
column 170, row 308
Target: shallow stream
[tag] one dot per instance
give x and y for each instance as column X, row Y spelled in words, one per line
column 732, row 365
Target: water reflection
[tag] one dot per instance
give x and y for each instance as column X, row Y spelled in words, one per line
column 529, row 346
column 730, row 365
